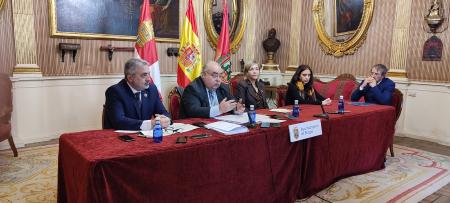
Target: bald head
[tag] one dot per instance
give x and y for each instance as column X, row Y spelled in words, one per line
column 211, row 75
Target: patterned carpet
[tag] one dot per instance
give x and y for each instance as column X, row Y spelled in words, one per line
column 409, row 177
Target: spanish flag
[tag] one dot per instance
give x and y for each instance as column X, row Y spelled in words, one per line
column 223, row 47
column 189, row 59
column 145, row 47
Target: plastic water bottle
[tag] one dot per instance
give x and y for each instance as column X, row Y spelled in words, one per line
column 252, row 115
column 296, row 109
column 157, row 131
column 341, row 105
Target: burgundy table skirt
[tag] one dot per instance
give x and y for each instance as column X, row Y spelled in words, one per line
column 258, row 166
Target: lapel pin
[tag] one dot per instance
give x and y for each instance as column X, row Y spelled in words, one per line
column 145, row 95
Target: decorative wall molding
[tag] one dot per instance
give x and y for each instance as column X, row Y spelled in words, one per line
column 400, row 39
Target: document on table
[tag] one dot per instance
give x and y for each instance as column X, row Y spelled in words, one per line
column 227, row 128
column 281, row 110
column 360, row 104
column 172, row 129
column 243, row 118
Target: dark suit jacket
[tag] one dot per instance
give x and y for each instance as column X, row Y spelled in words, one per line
column 380, row 94
column 122, row 108
column 293, row 94
column 195, row 103
column 247, row 93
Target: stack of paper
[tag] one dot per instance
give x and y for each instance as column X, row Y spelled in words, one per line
column 227, row 128
column 172, row 129
column 243, row 118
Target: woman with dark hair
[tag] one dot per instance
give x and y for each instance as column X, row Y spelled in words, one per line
column 301, row 88
column 251, row 90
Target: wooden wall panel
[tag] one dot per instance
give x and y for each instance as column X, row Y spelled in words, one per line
column 376, row 49
column 438, row 71
column 7, row 51
column 281, row 21
column 90, row 60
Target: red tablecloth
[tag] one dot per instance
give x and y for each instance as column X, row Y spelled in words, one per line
column 258, row 166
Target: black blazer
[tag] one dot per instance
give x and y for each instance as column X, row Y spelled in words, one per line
column 293, row 94
column 249, row 96
column 122, row 109
column 195, row 103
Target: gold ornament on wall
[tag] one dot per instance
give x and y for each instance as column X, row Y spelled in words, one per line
column 342, row 25
column 435, row 17
column 2, row 2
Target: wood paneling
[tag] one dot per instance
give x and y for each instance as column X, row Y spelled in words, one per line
column 438, row 71
column 376, row 49
column 90, row 60
column 7, row 51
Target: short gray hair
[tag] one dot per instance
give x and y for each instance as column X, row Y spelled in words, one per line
column 381, row 68
column 132, row 64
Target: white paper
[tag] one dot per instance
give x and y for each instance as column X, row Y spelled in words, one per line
column 281, row 110
column 243, row 118
column 126, row 131
column 227, row 128
column 301, row 131
column 172, row 129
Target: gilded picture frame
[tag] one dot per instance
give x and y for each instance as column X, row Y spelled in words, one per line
column 238, row 20
column 349, row 46
column 347, row 16
column 2, row 2
column 94, row 19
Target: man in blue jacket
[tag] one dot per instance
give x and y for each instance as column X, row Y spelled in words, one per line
column 134, row 102
column 376, row 88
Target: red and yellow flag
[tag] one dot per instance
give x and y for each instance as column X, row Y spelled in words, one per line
column 189, row 58
column 223, row 47
column 146, row 45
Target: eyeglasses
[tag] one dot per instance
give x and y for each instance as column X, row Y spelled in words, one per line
column 215, row 75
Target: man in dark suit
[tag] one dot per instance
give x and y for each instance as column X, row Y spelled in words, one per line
column 134, row 102
column 207, row 97
column 376, row 88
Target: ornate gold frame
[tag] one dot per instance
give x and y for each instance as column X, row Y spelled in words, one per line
column 54, row 32
column 347, row 47
column 2, row 2
column 237, row 29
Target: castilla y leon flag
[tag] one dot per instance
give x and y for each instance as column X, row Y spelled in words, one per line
column 223, row 47
column 189, row 59
column 145, row 47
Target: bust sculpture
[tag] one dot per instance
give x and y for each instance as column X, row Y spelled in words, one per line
column 271, row 45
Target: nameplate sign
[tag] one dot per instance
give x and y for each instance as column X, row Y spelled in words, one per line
column 301, row 131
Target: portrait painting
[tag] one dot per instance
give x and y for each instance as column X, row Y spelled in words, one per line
column 112, row 19
column 348, row 16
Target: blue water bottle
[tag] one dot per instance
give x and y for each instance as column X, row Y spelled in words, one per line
column 252, row 115
column 296, row 109
column 341, row 105
column 157, row 131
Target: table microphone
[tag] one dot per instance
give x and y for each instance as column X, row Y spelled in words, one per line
column 324, row 114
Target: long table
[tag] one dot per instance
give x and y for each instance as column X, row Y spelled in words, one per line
column 259, row 166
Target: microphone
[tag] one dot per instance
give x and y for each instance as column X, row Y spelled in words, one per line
column 324, row 114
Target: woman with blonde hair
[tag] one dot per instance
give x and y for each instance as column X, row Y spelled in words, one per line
column 251, row 89
column 301, row 88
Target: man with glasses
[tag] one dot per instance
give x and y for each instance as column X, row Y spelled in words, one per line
column 376, row 88
column 207, row 97
column 134, row 102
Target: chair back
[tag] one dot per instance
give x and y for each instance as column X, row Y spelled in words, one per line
column 397, row 102
column 234, row 82
column 281, row 95
column 6, row 106
column 175, row 102
column 343, row 84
